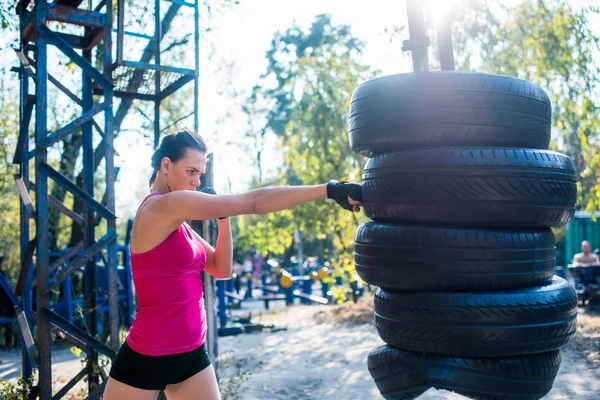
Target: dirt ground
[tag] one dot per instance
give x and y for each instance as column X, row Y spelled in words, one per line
column 321, row 352
column 323, row 355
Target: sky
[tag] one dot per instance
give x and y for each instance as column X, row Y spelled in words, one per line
column 241, row 36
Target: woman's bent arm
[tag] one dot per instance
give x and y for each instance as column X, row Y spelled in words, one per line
column 223, row 251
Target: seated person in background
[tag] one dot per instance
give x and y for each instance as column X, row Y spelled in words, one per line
column 586, row 258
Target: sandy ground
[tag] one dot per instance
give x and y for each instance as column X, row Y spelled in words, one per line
column 324, row 360
column 319, row 356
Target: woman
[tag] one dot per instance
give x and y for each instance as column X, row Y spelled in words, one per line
column 165, row 349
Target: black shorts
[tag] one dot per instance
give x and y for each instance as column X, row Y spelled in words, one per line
column 155, row 373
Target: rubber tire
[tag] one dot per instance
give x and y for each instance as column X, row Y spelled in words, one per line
column 484, row 186
column 479, row 324
column 413, row 257
column 403, row 375
column 430, row 109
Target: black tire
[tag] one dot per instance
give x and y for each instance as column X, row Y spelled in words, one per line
column 418, row 110
column 481, row 324
column 413, row 257
column 489, row 187
column 400, row 374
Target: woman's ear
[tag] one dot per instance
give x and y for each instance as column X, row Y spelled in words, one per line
column 165, row 164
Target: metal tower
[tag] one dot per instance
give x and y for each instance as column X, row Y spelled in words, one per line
column 104, row 84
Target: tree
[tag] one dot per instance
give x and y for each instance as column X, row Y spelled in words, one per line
column 305, row 94
column 551, row 43
column 65, row 156
column 9, row 197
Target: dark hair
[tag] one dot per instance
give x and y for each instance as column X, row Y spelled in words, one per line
column 174, row 147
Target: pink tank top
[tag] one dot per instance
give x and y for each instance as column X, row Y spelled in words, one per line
column 170, row 316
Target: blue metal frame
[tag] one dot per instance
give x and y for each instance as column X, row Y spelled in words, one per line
column 44, row 275
column 74, row 125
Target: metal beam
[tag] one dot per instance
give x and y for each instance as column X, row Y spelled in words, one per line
column 25, row 267
column 120, row 30
column 134, row 34
column 75, row 41
column 419, row 41
column 25, row 198
column 73, row 340
column 178, row 84
column 22, row 5
column 159, row 68
column 69, row 385
column 182, row 3
column 24, row 133
column 5, row 286
column 110, row 173
column 62, row 208
column 27, row 336
column 25, row 64
column 56, row 83
column 66, row 256
column 44, row 341
column 157, row 76
column 76, row 16
column 60, row 44
column 73, row 126
column 67, row 92
column 80, row 334
column 104, row 202
column 77, row 191
column 97, row 392
column 28, row 25
column 90, row 294
column 101, row 4
column 27, row 248
column 89, row 253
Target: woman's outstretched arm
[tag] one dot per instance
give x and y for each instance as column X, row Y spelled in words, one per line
column 187, row 204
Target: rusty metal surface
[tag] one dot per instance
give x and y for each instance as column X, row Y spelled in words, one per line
column 43, row 338
column 75, row 16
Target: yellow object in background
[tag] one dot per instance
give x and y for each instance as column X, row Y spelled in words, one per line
column 323, row 273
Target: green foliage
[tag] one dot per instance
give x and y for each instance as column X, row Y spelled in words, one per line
column 66, row 155
column 17, row 389
column 8, row 17
column 307, row 89
column 9, row 197
column 551, row 43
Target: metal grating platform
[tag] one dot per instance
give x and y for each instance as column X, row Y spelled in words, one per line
column 123, row 76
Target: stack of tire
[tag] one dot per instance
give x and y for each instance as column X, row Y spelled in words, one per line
column 462, row 191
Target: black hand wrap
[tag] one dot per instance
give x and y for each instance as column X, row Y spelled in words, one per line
column 209, row 190
column 339, row 191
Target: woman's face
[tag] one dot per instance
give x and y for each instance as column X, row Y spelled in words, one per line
column 184, row 174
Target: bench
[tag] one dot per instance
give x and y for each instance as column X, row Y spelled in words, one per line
column 271, row 297
column 237, row 297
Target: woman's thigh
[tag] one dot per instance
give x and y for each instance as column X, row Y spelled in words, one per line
column 116, row 390
column 202, row 386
